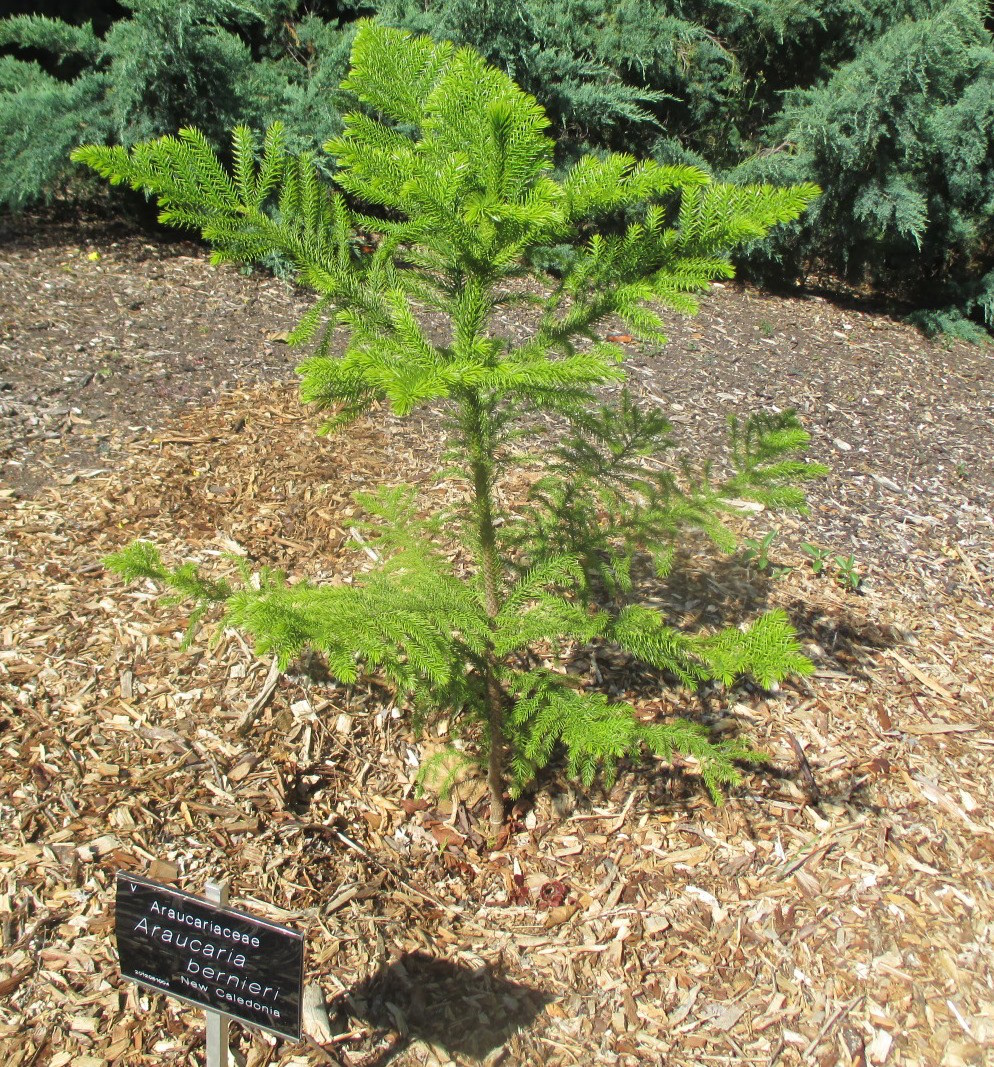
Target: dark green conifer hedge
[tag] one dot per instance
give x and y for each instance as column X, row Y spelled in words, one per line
column 902, row 140
column 169, row 63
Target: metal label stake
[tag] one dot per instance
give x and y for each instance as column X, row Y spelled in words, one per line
column 217, row 1024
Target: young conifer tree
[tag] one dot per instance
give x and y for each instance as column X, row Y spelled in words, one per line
column 448, row 162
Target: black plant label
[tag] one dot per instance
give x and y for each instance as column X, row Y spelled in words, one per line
column 214, row 957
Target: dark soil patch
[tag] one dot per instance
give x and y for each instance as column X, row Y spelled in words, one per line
column 107, row 332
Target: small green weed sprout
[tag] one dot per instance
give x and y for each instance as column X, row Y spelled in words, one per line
column 756, row 554
column 819, row 556
column 846, row 573
column 842, row 568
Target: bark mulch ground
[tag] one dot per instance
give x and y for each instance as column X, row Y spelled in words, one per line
column 838, row 909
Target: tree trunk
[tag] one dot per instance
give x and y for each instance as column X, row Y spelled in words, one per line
column 482, row 468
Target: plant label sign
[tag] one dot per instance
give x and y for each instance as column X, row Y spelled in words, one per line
column 215, row 957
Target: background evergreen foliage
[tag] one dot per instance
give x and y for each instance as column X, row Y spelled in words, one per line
column 886, row 104
column 903, row 139
column 169, row 63
column 448, row 164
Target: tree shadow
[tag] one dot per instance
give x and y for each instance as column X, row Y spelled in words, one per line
column 464, row 1010
column 845, row 639
column 839, row 639
column 728, row 593
column 100, row 220
column 672, row 788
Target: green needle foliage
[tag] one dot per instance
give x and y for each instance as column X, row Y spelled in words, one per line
column 449, row 164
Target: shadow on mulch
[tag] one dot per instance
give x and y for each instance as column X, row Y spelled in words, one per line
column 723, row 596
column 844, row 639
column 463, row 1010
column 96, row 222
column 729, row 593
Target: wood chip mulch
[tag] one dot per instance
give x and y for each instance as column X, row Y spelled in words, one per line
column 838, row 909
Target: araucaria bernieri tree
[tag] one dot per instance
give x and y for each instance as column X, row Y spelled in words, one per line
column 447, row 161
